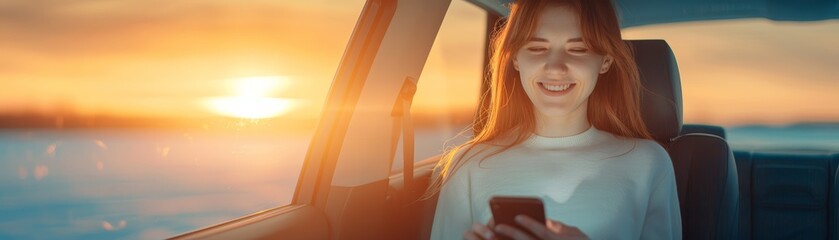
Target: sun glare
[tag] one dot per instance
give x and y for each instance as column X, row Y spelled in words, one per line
column 252, row 99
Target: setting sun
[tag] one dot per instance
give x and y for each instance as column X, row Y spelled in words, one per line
column 252, row 99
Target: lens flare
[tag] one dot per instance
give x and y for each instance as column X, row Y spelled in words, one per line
column 252, row 100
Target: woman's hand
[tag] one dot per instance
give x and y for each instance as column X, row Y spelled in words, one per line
column 551, row 230
column 480, row 232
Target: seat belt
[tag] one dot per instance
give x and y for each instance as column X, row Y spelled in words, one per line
column 402, row 117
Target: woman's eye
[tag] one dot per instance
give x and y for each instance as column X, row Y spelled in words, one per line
column 578, row 50
column 537, row 49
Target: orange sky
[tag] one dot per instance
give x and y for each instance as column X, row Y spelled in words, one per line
column 754, row 71
column 162, row 58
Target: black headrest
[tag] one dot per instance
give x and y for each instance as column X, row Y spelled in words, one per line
column 701, row 128
column 661, row 98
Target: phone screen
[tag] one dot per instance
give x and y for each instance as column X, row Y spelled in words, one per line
column 505, row 208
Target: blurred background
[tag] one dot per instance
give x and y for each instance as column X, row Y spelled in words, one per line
column 145, row 119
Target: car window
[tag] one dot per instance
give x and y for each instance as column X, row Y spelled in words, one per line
column 772, row 85
column 145, row 119
column 449, row 85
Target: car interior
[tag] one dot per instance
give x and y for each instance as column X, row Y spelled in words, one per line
column 705, row 170
column 723, row 193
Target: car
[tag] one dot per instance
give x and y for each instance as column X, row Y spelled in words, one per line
column 756, row 156
column 347, row 191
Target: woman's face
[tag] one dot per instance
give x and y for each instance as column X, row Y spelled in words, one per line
column 558, row 71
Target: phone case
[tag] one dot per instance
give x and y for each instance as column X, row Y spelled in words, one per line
column 505, row 208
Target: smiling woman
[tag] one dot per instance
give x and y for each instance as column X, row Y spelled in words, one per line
column 252, row 101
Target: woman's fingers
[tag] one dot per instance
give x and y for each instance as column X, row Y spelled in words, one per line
column 512, row 232
column 469, row 235
column 549, row 230
column 535, row 227
column 482, row 231
column 557, row 227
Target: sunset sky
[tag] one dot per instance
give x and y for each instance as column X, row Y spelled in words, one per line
column 266, row 58
column 166, row 58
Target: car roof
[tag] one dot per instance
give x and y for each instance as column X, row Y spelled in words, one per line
column 646, row 12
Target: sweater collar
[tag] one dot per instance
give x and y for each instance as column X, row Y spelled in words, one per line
column 588, row 137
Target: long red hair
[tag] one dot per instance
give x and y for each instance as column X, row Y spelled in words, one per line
column 613, row 106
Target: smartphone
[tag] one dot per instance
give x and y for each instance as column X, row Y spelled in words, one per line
column 506, row 208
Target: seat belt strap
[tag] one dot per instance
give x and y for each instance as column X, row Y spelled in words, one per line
column 402, row 112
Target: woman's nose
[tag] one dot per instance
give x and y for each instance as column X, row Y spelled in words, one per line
column 557, row 63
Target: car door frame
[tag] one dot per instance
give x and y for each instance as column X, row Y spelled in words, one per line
column 343, row 184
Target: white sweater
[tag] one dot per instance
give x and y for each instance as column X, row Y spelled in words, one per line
column 609, row 187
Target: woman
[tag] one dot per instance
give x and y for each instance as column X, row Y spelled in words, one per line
column 563, row 125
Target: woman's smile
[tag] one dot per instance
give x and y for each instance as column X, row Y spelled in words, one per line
column 556, row 89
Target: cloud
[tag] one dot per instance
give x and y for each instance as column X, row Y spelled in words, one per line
column 97, row 27
column 752, row 70
column 160, row 56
